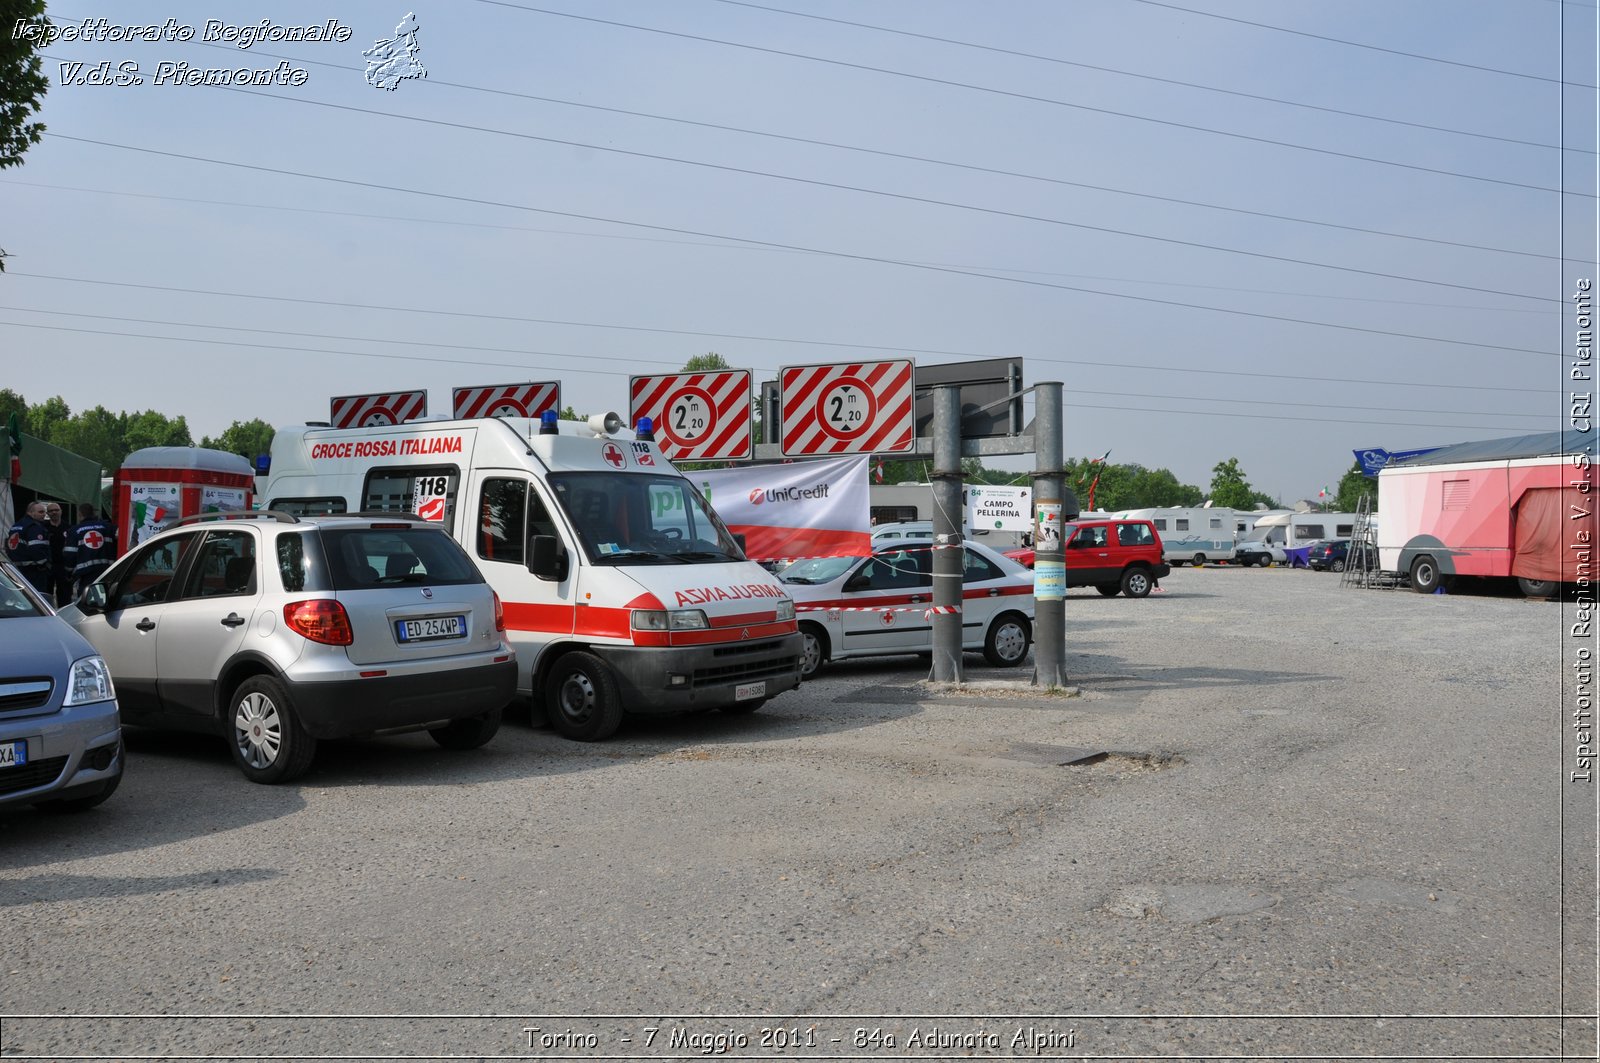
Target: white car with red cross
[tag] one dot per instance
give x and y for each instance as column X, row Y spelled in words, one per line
column 622, row 589
column 883, row 604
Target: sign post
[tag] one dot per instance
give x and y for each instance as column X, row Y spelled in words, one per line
column 1050, row 557
column 948, row 563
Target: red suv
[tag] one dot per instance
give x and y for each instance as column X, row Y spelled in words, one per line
column 1110, row 556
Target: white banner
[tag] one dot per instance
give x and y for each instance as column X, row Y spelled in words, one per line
column 799, row 509
column 999, row 508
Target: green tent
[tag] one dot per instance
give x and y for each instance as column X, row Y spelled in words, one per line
column 51, row 471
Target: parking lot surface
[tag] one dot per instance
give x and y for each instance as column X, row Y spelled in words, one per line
column 1327, row 822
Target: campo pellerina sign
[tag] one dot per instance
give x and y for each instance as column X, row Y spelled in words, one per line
column 999, row 508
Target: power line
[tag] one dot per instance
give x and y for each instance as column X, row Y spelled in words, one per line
column 1146, row 300
column 1040, row 99
column 901, row 349
column 1149, row 77
column 234, row 204
column 1369, row 47
column 902, row 196
column 608, row 372
column 939, row 162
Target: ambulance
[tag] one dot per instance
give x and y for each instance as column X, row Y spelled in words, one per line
column 622, row 589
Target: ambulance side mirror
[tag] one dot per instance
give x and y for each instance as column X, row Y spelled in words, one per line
column 545, row 558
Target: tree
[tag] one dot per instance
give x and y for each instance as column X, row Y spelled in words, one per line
column 245, row 438
column 705, row 363
column 22, row 82
column 1352, row 485
column 1229, row 488
column 151, row 429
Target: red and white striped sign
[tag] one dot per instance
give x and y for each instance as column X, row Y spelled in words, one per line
column 507, row 400
column 696, row 416
column 397, row 407
column 850, row 408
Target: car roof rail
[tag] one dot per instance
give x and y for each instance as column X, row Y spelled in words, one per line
column 243, row 514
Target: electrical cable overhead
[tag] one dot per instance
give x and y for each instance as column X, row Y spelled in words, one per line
column 1041, row 99
column 1369, row 47
column 890, row 348
column 614, row 372
column 1149, row 77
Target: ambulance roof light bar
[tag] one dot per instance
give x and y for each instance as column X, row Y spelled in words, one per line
column 644, row 429
column 547, row 424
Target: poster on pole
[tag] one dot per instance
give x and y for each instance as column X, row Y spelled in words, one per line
column 999, row 508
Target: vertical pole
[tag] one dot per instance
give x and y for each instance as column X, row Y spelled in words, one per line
column 1050, row 559
column 947, row 520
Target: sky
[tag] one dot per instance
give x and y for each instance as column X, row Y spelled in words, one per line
column 1253, row 229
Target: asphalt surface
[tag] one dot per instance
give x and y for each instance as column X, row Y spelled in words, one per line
column 1328, row 822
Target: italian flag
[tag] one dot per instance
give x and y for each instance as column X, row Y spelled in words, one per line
column 146, row 513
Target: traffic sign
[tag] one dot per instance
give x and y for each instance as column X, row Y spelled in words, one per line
column 696, row 416
column 359, row 411
column 507, row 400
column 848, row 408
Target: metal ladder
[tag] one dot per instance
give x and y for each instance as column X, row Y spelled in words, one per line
column 1361, row 560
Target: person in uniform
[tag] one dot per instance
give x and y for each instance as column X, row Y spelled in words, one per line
column 60, row 568
column 91, row 547
column 28, row 546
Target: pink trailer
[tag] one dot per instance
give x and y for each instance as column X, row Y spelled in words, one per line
column 1522, row 507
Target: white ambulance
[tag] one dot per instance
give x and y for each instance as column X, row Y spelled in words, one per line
column 622, row 589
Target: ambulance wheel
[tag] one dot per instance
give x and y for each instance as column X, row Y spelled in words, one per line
column 813, row 650
column 581, row 699
column 1007, row 643
column 1108, row 589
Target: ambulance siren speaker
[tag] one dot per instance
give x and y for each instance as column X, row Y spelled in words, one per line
column 604, row 424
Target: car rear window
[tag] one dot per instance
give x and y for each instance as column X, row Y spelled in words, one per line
column 387, row 556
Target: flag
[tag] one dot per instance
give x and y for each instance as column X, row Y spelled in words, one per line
column 1324, row 492
column 1101, row 460
column 14, row 442
column 877, row 472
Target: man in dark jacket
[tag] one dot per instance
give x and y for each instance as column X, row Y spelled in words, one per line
column 28, row 546
column 60, row 567
column 91, row 547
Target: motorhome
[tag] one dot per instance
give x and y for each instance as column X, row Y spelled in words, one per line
column 1521, row 507
column 1292, row 533
column 1192, row 534
column 620, row 586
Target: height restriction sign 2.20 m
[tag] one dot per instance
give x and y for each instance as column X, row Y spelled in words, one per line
column 849, row 408
column 696, row 416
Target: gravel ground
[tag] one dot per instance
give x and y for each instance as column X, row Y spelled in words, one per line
column 1298, row 820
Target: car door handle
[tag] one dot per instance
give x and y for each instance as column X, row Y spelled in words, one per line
column 146, row 624
column 915, row 598
column 994, row 592
column 232, row 620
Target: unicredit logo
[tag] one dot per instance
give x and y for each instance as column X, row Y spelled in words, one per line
column 787, row 494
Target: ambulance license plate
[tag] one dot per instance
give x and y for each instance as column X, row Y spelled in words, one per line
column 746, row 691
column 13, row 754
column 431, row 627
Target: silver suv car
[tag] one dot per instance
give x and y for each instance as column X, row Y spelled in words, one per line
column 60, row 741
column 277, row 631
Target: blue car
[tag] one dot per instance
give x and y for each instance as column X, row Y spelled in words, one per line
column 60, row 732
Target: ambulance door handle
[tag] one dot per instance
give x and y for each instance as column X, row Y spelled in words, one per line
column 146, row 624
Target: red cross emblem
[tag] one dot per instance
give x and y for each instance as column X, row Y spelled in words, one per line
column 94, row 540
column 887, row 619
column 13, row 541
column 613, row 455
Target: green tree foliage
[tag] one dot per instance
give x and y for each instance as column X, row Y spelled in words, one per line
column 1352, row 485
column 245, row 438
column 22, row 83
column 1229, row 488
column 705, row 363
column 1130, row 486
column 96, row 434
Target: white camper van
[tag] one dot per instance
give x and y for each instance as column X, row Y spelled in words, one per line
column 621, row 587
column 1191, row 534
column 1290, row 532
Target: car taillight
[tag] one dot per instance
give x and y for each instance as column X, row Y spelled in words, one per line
column 499, row 614
column 320, row 620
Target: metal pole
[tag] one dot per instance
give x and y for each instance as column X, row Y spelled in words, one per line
column 947, row 520
column 1050, row 559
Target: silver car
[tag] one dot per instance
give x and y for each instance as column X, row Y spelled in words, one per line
column 60, row 737
column 276, row 632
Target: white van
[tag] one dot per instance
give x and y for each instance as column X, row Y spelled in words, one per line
column 1292, row 534
column 621, row 587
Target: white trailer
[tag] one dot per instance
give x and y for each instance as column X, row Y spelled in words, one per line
column 1191, row 534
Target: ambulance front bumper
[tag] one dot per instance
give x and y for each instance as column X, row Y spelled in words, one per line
column 679, row 678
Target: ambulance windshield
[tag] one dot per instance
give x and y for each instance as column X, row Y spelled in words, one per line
column 625, row 519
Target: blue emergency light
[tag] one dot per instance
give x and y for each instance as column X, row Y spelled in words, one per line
column 644, row 429
column 547, row 424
